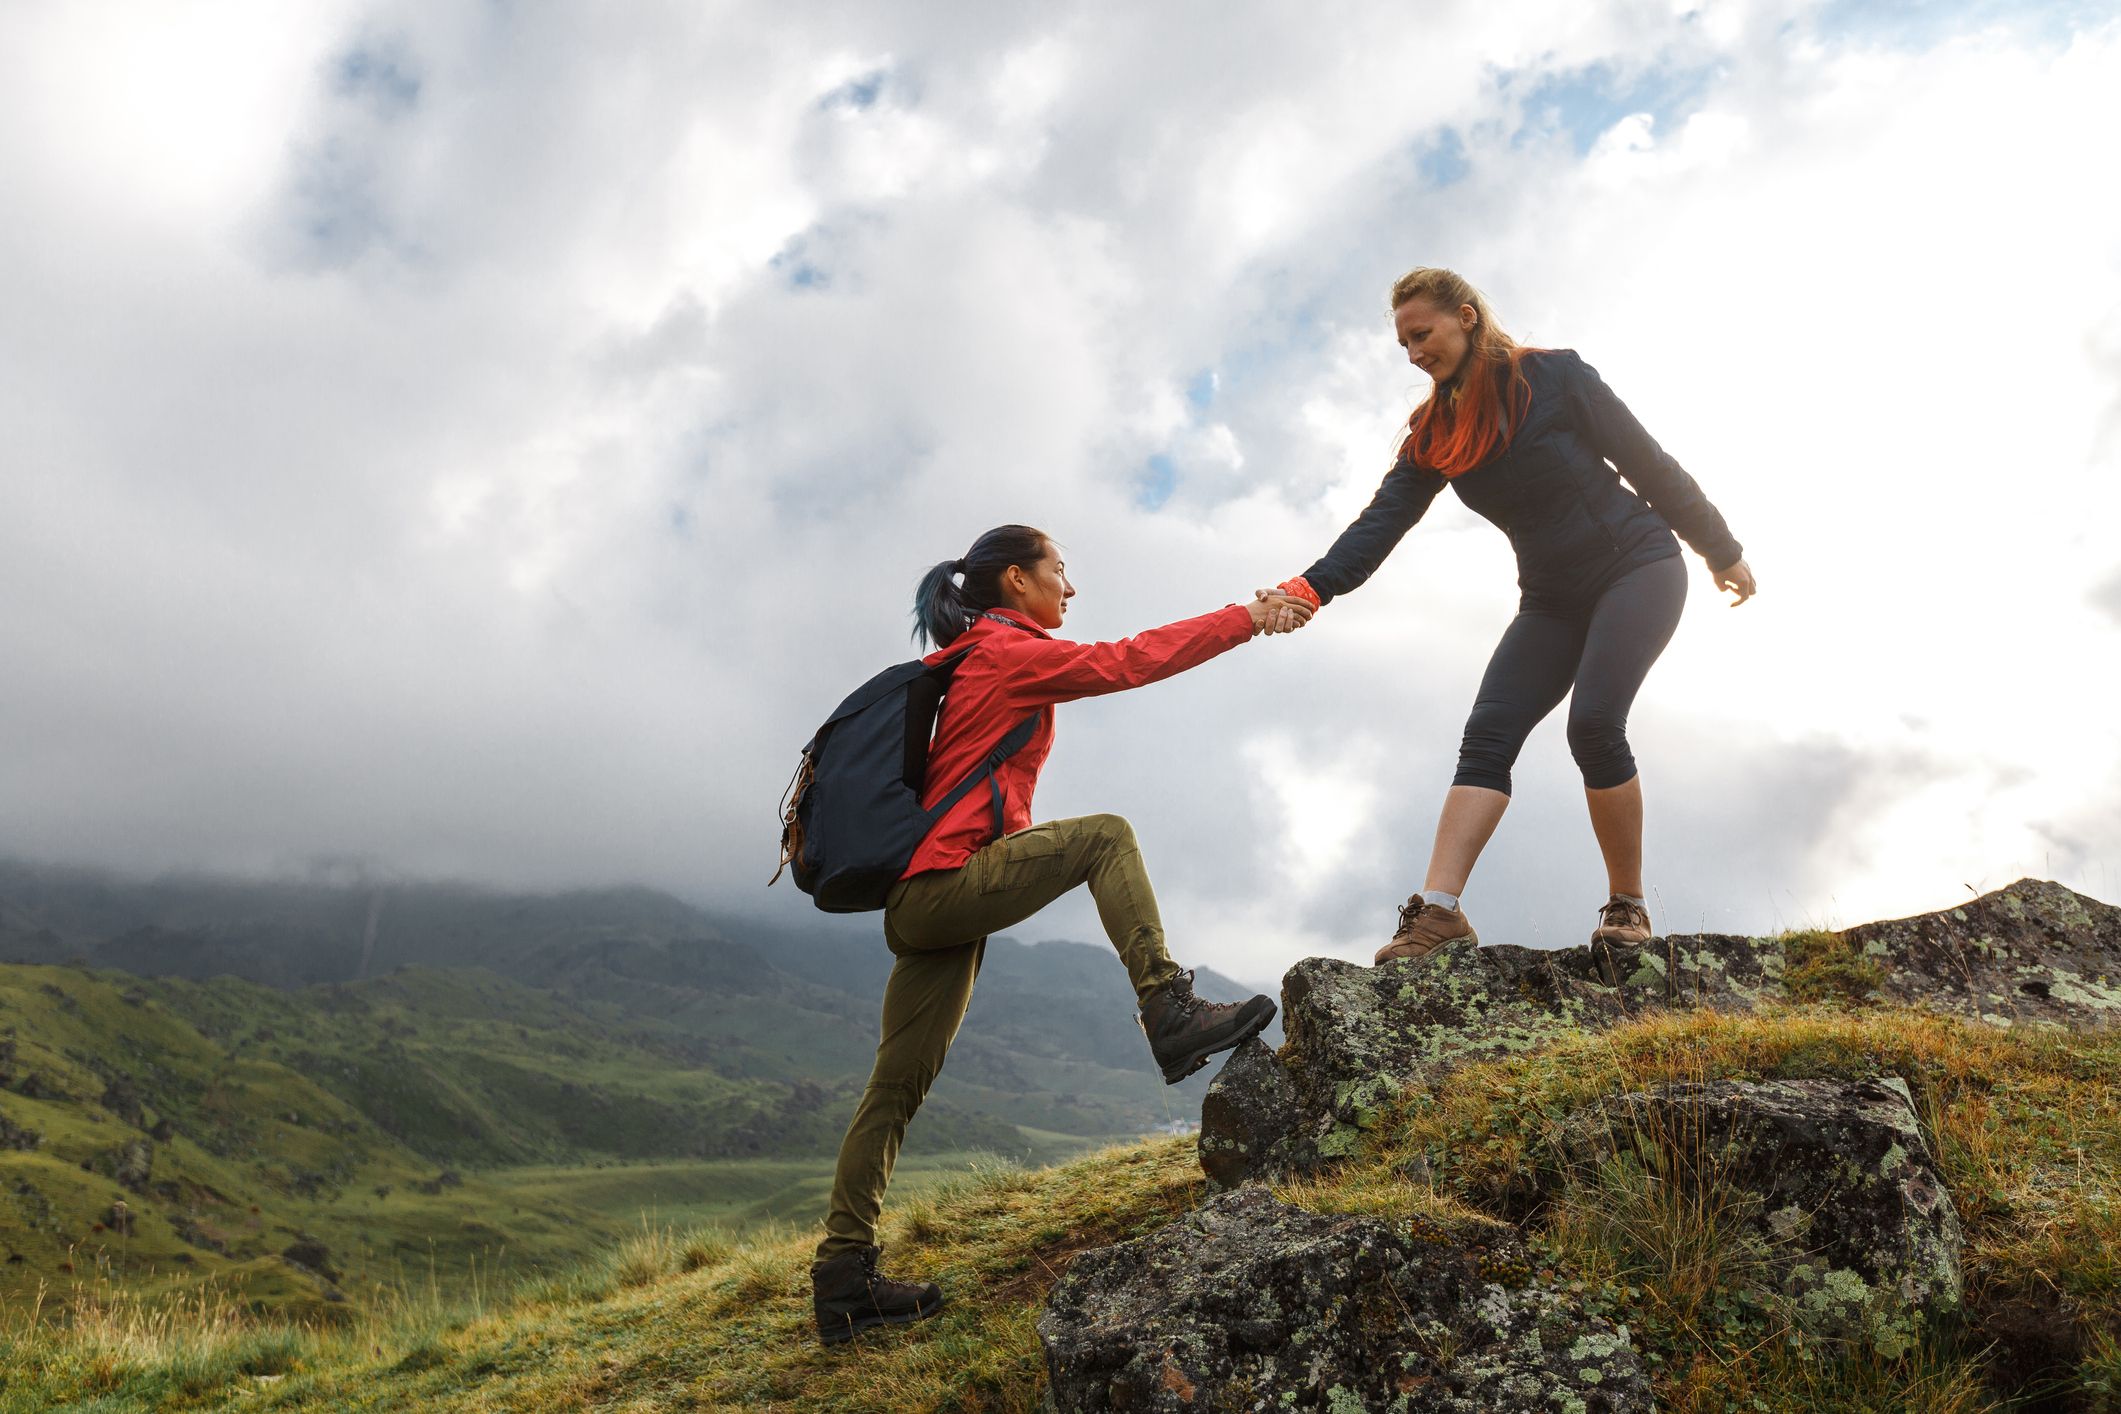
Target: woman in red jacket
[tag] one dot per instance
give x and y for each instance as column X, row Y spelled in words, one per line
column 1003, row 600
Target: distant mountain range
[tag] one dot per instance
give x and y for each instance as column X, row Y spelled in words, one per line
column 440, row 1011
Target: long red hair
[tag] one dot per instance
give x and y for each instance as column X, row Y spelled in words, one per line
column 1461, row 425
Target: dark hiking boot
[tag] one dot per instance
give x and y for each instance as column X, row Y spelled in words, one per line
column 850, row 1297
column 1423, row 928
column 1184, row 1031
column 1621, row 922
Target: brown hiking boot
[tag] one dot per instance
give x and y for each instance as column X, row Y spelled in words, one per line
column 850, row 1297
column 1184, row 1030
column 1621, row 921
column 1423, row 928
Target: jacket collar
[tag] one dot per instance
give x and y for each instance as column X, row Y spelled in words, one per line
column 1014, row 616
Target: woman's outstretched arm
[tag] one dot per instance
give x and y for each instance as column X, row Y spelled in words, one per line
column 1042, row 671
column 1400, row 502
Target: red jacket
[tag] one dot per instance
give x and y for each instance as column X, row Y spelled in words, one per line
column 1011, row 673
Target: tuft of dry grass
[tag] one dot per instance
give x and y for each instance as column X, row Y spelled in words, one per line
column 1821, row 966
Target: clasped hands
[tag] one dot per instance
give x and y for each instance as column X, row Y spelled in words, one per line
column 1275, row 612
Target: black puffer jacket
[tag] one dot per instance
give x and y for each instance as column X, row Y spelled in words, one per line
column 1574, row 526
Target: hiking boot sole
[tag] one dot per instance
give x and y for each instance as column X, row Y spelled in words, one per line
column 1249, row 1024
column 840, row 1332
column 1411, row 952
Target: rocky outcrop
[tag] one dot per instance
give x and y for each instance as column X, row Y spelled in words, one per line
column 1249, row 1303
column 1829, row 1181
column 1835, row 1207
column 14, row 1136
column 1358, row 1036
column 311, row 1255
column 2032, row 952
column 131, row 1164
column 122, row 1098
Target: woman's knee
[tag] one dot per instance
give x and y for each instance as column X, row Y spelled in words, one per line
column 1112, row 830
column 1489, row 748
column 1599, row 742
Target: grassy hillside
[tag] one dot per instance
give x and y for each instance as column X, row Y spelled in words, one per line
column 2026, row 1127
column 621, row 973
column 396, row 1132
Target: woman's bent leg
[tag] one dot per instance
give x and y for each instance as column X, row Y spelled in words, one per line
column 924, row 1002
column 938, row 924
column 1019, row 874
column 1629, row 627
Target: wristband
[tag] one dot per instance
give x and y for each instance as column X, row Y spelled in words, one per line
column 1300, row 588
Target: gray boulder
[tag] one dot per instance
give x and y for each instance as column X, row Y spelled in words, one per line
column 2034, row 952
column 1358, row 1036
column 1829, row 1182
column 1249, row 1303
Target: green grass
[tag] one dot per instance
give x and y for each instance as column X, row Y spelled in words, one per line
column 733, row 1195
column 264, row 1150
column 668, row 1319
column 679, row 1312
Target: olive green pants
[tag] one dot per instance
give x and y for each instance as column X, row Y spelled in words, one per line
column 936, row 925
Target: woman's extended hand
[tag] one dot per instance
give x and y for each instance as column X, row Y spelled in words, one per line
column 1275, row 612
column 1738, row 578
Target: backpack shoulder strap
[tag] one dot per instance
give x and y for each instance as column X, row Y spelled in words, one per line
column 1018, row 737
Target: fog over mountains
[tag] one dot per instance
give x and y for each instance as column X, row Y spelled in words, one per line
column 1050, row 1041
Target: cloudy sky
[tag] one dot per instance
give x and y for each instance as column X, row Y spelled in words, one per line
column 480, row 440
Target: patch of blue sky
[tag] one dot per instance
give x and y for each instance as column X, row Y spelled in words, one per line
column 1925, row 24
column 337, row 215
column 857, row 94
column 378, row 76
column 1158, row 479
column 1262, row 360
column 1585, row 103
column 1201, row 389
column 794, row 265
column 1441, row 160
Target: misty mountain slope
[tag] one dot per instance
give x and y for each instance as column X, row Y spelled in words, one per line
column 1050, row 1041
column 137, row 1147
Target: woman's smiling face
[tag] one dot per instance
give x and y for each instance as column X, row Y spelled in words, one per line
column 1040, row 591
column 1435, row 339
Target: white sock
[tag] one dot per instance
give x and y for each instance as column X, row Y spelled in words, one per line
column 1440, row 898
column 1641, row 903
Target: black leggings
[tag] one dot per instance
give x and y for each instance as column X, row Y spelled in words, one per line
column 1602, row 649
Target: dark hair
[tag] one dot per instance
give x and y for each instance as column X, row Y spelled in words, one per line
column 943, row 609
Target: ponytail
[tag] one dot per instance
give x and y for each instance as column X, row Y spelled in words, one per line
column 943, row 608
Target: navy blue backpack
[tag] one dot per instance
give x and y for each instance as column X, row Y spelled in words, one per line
column 852, row 817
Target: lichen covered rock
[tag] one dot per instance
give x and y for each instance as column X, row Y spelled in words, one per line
column 1250, row 1117
column 1253, row 1304
column 2032, row 952
column 1358, row 1036
column 1831, row 1179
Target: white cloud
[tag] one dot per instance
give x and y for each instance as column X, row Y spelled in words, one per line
column 483, row 440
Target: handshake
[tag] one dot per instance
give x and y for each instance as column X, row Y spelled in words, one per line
column 1277, row 611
